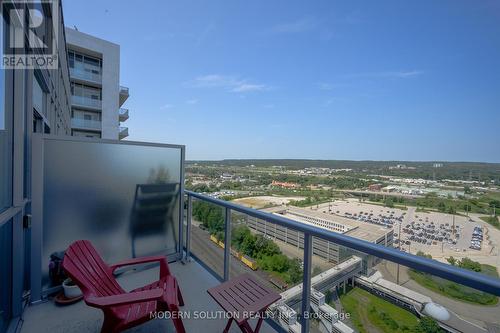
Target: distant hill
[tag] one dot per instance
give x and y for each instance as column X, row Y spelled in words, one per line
column 453, row 170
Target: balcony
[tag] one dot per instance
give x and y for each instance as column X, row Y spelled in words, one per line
column 86, row 102
column 123, row 132
column 201, row 259
column 194, row 281
column 88, row 124
column 123, row 114
column 86, row 72
column 124, row 94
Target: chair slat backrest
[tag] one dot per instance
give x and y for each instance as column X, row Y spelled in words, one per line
column 87, row 269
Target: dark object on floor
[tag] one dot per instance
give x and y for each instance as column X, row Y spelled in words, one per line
column 60, row 299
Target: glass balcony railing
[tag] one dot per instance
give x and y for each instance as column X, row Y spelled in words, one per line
column 86, row 101
column 339, row 281
column 87, row 73
column 86, row 123
column 123, row 132
column 124, row 94
column 124, row 90
column 123, row 114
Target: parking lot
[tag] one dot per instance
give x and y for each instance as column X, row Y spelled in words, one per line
column 439, row 234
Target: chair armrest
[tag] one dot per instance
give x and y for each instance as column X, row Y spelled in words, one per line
column 123, row 299
column 164, row 270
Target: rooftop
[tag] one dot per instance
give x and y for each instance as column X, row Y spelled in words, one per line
column 360, row 230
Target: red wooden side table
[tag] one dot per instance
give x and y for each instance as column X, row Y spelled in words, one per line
column 243, row 298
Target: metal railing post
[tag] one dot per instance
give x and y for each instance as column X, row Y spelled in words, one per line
column 188, row 227
column 227, row 242
column 306, row 282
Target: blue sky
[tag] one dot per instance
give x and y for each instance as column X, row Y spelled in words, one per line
column 379, row 80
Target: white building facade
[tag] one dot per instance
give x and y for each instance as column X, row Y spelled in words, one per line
column 96, row 94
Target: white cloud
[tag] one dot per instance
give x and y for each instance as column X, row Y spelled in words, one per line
column 212, row 80
column 389, row 74
column 246, row 87
column 166, row 106
column 229, row 83
column 192, row 101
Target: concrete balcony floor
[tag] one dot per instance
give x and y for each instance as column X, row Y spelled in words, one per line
column 193, row 279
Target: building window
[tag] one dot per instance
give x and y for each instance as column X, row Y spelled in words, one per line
column 39, row 98
column 5, row 137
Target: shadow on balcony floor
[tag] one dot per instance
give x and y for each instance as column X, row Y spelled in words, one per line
column 79, row 318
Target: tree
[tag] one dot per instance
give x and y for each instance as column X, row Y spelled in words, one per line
column 279, row 263
column 427, row 325
column 441, row 206
column 452, row 261
column 469, row 264
column 248, row 246
column 389, row 203
column 294, row 271
column 422, row 254
column 495, row 204
column 238, row 236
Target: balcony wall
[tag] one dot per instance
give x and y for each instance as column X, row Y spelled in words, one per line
column 94, row 190
column 86, row 123
column 86, row 72
column 86, row 102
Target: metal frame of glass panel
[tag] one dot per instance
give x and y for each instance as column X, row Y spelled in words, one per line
column 37, row 292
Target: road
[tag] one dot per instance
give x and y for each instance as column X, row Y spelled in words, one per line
column 213, row 256
column 474, row 313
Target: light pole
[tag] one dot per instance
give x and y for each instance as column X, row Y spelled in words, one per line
column 399, row 243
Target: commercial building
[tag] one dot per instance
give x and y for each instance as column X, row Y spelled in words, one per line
column 327, row 250
column 96, row 94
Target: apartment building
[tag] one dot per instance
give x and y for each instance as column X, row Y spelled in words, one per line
column 32, row 100
column 96, row 94
column 55, row 100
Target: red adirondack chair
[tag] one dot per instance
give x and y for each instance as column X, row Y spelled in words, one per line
column 121, row 309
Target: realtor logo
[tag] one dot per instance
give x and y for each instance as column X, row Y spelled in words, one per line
column 32, row 37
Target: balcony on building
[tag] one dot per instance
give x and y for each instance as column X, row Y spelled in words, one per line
column 123, row 132
column 85, row 68
column 124, row 94
column 86, row 124
column 86, row 73
column 71, row 203
column 86, row 102
column 123, row 114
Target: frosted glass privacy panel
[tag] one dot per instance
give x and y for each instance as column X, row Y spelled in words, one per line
column 124, row 198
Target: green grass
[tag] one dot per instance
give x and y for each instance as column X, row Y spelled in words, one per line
column 491, row 220
column 455, row 290
column 369, row 311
